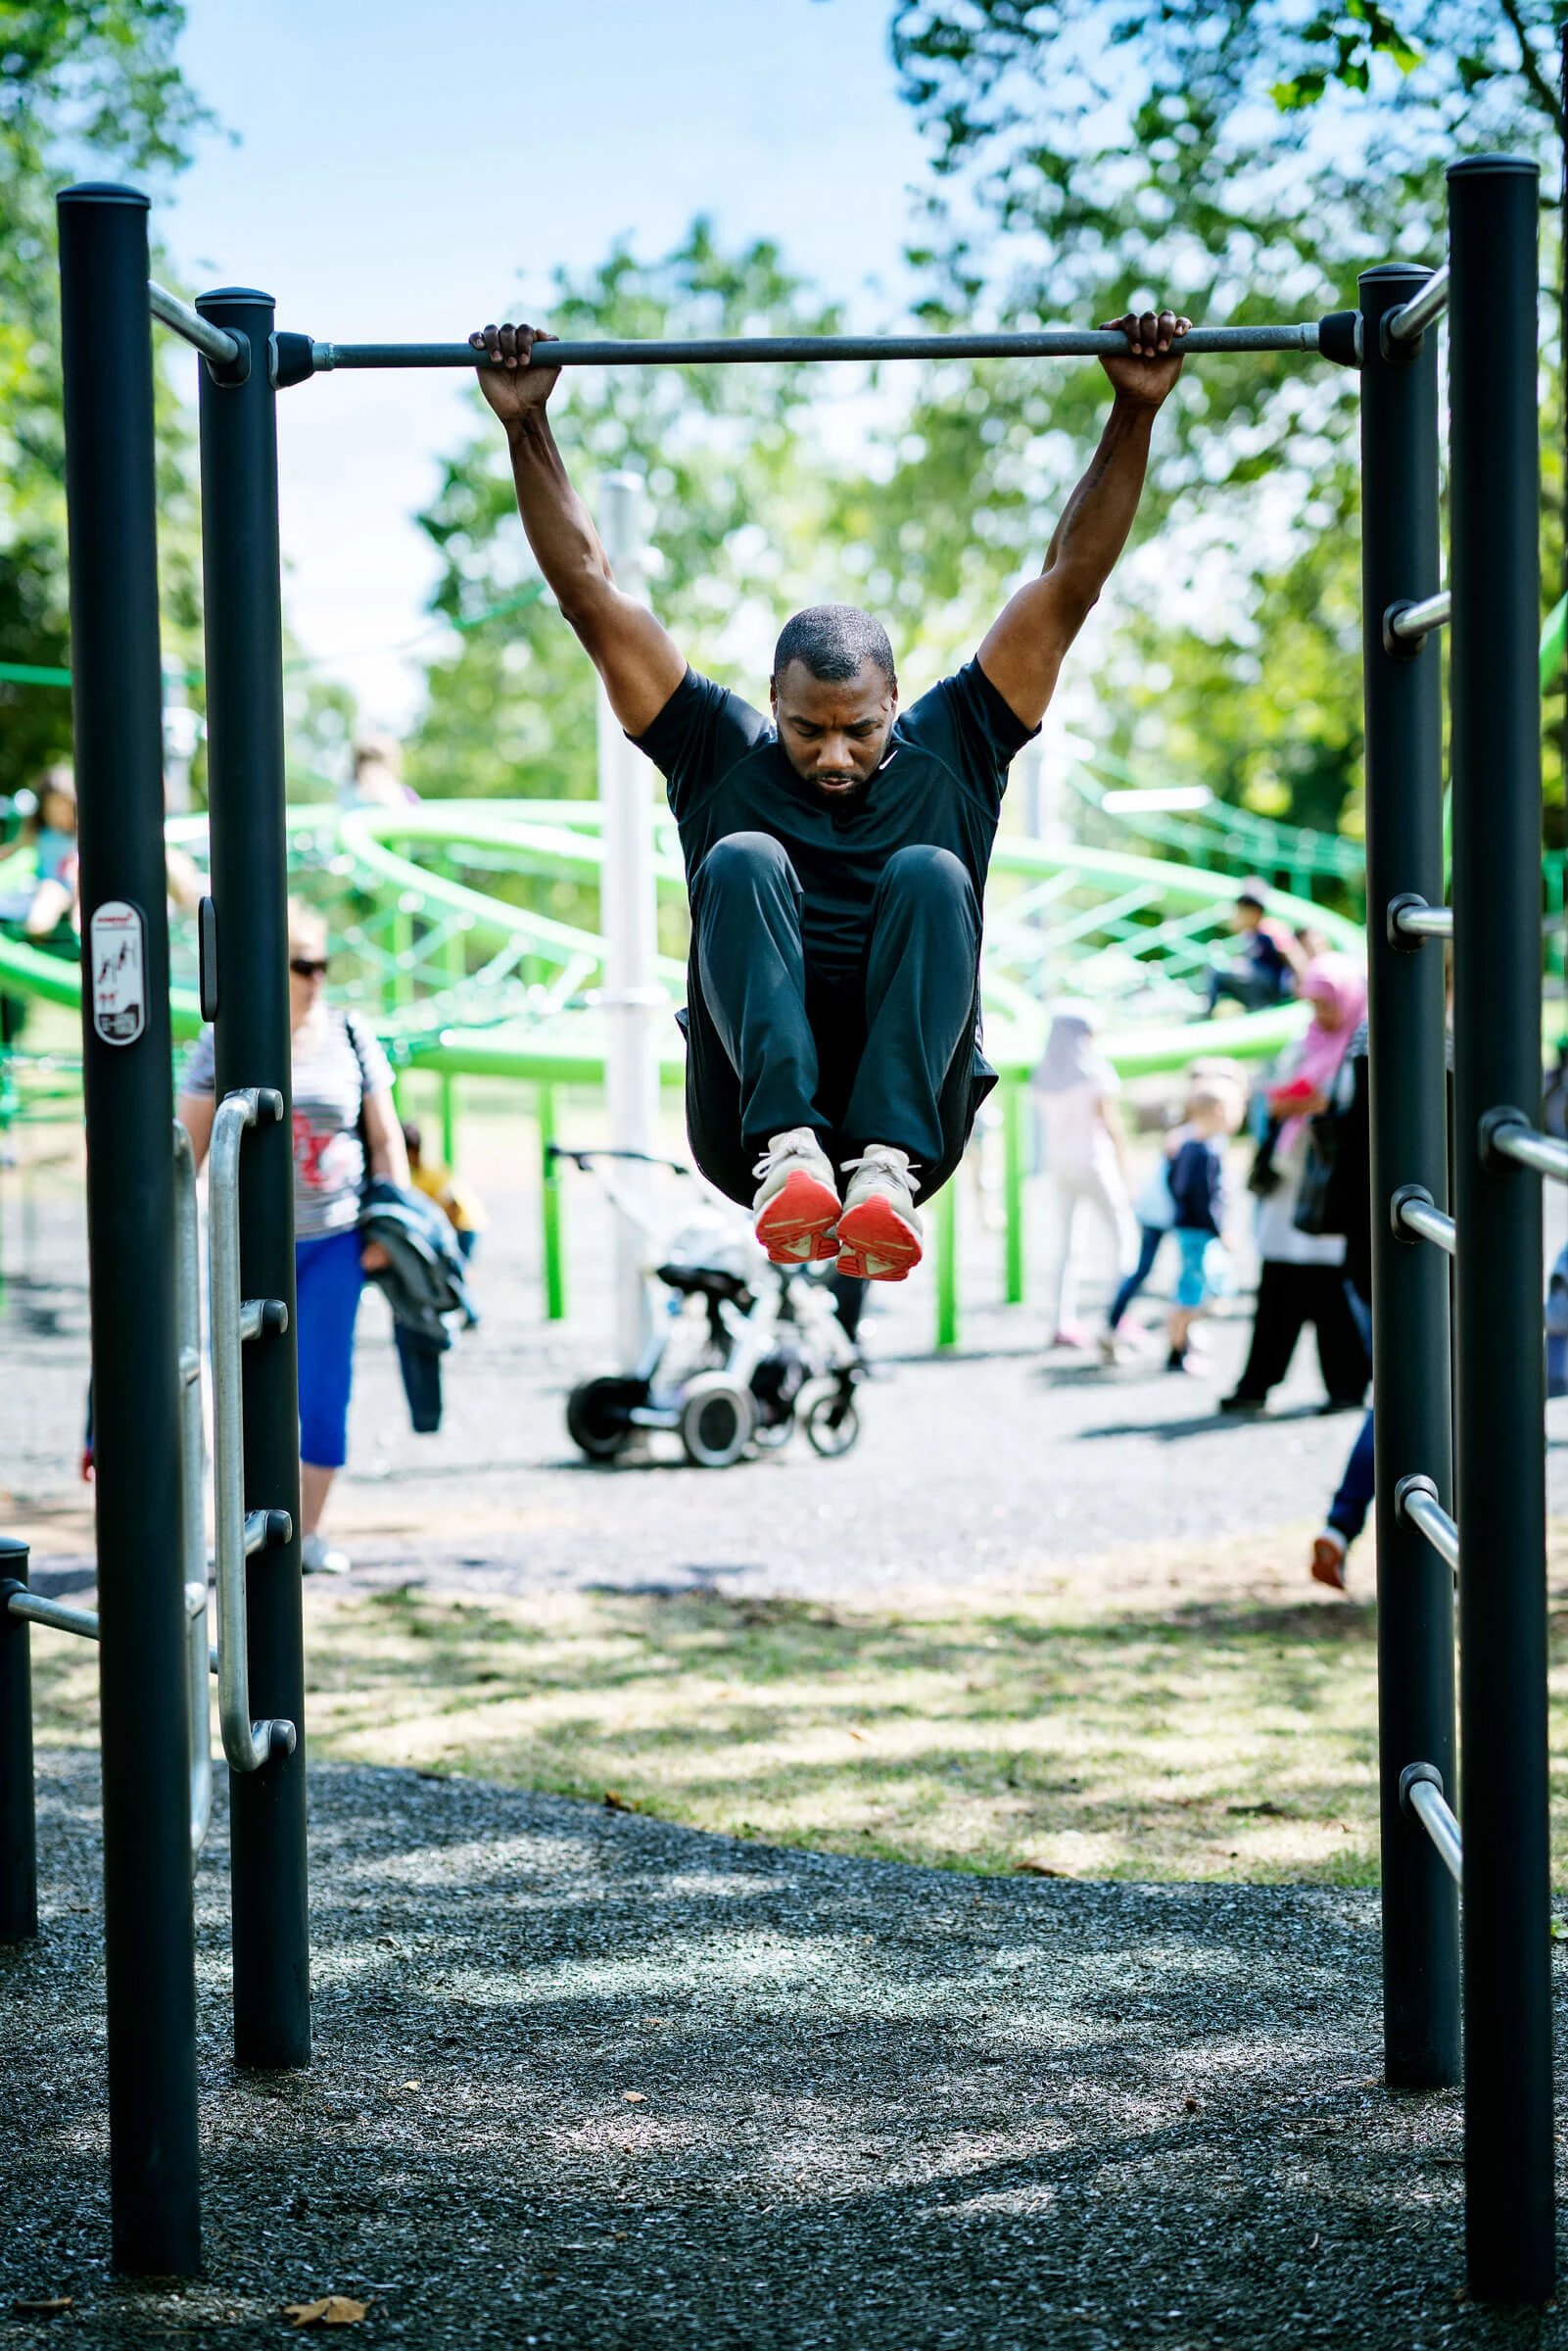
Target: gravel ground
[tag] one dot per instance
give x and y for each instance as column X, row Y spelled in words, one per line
column 585, row 2078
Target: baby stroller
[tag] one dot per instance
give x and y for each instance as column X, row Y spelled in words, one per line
column 743, row 1352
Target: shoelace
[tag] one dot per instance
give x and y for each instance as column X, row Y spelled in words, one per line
column 778, row 1159
column 886, row 1156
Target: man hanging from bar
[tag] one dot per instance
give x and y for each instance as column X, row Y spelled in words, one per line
column 836, row 856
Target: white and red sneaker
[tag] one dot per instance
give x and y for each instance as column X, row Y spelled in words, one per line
column 796, row 1207
column 879, row 1231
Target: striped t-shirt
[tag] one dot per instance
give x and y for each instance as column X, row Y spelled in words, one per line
column 328, row 1093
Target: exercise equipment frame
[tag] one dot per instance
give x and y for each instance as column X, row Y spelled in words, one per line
column 1492, row 610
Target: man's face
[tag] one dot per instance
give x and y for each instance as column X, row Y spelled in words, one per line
column 1245, row 916
column 834, row 735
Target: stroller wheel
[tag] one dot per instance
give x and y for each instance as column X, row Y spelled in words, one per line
column 716, row 1422
column 832, row 1424
column 599, row 1414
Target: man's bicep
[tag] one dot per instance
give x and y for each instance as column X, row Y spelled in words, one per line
column 635, row 656
column 1026, row 644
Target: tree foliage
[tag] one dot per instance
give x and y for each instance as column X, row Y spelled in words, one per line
column 1244, row 160
column 733, row 506
column 83, row 84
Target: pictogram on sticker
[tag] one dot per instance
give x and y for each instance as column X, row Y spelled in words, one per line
column 117, row 944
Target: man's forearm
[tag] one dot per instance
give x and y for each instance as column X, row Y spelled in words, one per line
column 560, row 529
column 1098, row 517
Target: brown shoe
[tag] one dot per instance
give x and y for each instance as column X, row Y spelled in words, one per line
column 1328, row 1558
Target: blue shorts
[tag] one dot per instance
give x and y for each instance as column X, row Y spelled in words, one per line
column 1193, row 1287
column 328, row 1278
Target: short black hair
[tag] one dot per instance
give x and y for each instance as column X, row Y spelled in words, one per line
column 1254, row 893
column 832, row 640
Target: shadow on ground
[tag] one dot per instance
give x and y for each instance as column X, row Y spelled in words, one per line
column 585, row 2079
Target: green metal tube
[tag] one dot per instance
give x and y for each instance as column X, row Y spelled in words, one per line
column 1012, row 1109
column 551, row 1202
column 946, row 1214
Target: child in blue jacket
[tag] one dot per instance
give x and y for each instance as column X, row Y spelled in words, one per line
column 1197, row 1179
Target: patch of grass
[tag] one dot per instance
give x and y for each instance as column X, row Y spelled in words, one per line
column 984, row 1736
column 984, row 1732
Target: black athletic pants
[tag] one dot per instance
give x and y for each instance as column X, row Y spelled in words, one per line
column 886, row 1056
column 1288, row 1298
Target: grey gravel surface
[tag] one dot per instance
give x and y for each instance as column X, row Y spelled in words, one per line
column 583, row 2078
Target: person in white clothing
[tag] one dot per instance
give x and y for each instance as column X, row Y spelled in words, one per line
column 1301, row 1273
column 1083, row 1148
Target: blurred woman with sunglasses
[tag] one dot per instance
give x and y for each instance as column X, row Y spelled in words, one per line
column 346, row 1131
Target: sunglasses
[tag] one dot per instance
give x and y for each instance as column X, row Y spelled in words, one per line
column 308, row 966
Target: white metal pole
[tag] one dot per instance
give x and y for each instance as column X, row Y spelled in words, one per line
column 631, row 999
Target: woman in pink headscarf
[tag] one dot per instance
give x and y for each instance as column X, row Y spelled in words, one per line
column 1302, row 1275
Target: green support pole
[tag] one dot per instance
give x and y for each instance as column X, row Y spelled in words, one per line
column 550, row 1190
column 946, row 1214
column 399, row 990
column 1013, row 1106
column 452, row 960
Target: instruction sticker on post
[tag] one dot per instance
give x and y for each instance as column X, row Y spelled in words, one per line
column 117, row 944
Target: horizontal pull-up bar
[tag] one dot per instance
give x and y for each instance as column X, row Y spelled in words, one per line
column 209, row 339
column 1411, row 320
column 1047, row 343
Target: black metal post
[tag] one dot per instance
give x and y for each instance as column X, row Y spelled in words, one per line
column 19, row 1842
column 250, row 891
column 1494, row 491
column 127, row 1084
column 1410, row 1124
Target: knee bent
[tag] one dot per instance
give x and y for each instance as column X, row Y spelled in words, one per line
column 931, row 874
column 745, row 858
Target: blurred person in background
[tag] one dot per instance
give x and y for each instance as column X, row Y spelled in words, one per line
column 378, row 773
column 1196, row 1180
column 55, row 896
column 1085, row 1152
column 1302, row 1275
column 345, row 1130
column 1154, row 1208
column 459, row 1202
column 1271, row 958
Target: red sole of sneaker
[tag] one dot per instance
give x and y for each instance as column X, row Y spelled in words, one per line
column 876, row 1244
column 797, row 1225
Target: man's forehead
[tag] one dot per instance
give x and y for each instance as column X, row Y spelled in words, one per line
column 824, row 700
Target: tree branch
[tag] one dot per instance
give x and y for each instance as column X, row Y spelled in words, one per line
column 1547, row 97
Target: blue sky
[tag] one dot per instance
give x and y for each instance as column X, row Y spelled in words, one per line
column 396, row 166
